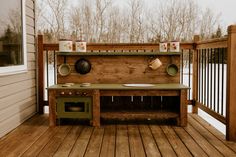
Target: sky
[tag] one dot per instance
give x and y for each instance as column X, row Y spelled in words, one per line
column 225, row 8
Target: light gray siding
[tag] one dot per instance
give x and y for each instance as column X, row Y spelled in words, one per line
column 18, row 92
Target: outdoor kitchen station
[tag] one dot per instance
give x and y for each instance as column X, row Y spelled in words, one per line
column 118, row 86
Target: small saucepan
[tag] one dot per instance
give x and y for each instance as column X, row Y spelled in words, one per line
column 172, row 69
column 155, row 64
column 64, row 69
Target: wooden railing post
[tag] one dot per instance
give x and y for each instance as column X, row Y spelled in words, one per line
column 231, row 85
column 195, row 75
column 40, row 75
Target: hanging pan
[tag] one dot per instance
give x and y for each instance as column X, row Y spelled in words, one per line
column 64, row 69
column 172, row 69
column 83, row 66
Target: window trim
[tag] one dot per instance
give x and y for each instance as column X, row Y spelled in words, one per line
column 11, row 70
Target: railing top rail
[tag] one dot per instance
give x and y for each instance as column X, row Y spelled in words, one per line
column 213, row 43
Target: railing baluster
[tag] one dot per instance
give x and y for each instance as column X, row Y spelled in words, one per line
column 55, row 68
column 47, row 68
column 207, row 95
column 182, row 66
column 222, row 81
column 214, row 80
column 198, row 79
column 202, row 77
column 189, row 72
column 218, row 81
column 211, row 102
column 205, row 66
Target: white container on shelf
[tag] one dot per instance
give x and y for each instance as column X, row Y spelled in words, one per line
column 174, row 46
column 163, row 46
column 65, row 45
column 80, row 46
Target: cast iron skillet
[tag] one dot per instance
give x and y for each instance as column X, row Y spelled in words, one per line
column 83, row 66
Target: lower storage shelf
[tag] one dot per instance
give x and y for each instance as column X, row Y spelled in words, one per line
column 138, row 115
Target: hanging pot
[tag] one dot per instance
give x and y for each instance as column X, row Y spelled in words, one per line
column 64, row 69
column 83, row 66
column 155, row 64
column 172, row 69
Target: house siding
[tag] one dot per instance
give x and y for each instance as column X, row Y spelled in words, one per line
column 18, row 92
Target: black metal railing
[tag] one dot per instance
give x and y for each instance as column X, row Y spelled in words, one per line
column 212, row 65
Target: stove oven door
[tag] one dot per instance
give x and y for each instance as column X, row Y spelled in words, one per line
column 74, row 107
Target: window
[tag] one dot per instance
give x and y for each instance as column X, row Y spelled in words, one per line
column 13, row 52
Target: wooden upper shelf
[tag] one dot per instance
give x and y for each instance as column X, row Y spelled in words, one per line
column 116, row 53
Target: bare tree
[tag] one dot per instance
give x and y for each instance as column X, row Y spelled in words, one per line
column 101, row 8
column 136, row 21
column 55, row 16
column 103, row 21
column 208, row 23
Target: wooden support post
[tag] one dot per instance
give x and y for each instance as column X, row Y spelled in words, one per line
column 40, row 75
column 183, row 108
column 231, row 85
column 195, row 75
column 52, row 107
column 96, row 108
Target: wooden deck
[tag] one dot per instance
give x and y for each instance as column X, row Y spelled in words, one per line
column 35, row 138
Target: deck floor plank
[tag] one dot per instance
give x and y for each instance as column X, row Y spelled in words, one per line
column 94, row 146
column 109, row 141
column 22, row 138
column 195, row 149
column 202, row 142
column 122, row 141
column 41, row 142
column 82, row 142
column 135, row 142
column 215, row 132
column 226, row 151
column 68, row 143
column 55, row 142
column 36, row 138
column 176, row 143
column 149, row 143
column 162, row 142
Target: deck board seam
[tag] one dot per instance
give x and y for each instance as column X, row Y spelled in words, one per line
column 204, row 139
column 182, row 141
column 190, row 123
column 209, row 130
column 141, row 137
column 154, row 140
column 197, row 143
column 168, row 141
column 42, row 122
column 82, row 128
column 89, row 140
column 212, row 134
column 102, row 141
column 115, row 140
column 127, row 131
column 63, row 140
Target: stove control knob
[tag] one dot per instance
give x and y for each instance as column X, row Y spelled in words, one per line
column 77, row 93
column 84, row 94
column 62, row 93
column 70, row 93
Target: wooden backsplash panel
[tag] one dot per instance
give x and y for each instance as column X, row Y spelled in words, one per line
column 120, row 69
